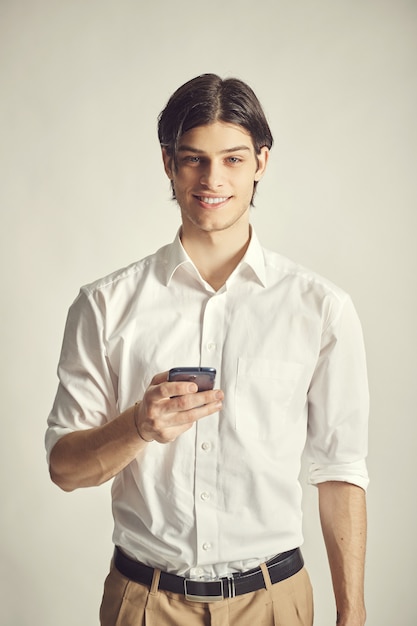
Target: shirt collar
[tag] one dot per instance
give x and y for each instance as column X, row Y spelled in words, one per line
column 176, row 256
column 254, row 259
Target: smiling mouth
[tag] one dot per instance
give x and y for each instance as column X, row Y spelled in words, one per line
column 211, row 200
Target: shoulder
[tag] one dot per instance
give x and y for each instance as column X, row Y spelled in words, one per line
column 282, row 269
column 129, row 277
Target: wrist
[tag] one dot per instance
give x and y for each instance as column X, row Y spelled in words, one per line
column 135, row 421
column 351, row 618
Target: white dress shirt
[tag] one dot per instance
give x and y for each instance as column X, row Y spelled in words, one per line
column 289, row 354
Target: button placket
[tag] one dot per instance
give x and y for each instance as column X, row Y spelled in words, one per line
column 207, row 432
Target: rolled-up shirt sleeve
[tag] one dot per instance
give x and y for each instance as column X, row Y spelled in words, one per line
column 338, row 402
column 86, row 395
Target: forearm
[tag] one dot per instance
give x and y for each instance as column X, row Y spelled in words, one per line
column 88, row 458
column 343, row 520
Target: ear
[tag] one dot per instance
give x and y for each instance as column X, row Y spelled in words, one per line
column 262, row 159
column 167, row 159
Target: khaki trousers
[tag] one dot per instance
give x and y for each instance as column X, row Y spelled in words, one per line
column 126, row 603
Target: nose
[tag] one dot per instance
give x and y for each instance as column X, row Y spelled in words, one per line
column 211, row 176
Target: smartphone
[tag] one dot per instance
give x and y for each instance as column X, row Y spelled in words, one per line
column 203, row 376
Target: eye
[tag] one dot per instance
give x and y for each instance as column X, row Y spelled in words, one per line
column 233, row 160
column 191, row 160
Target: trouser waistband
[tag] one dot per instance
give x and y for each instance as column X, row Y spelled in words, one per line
column 280, row 567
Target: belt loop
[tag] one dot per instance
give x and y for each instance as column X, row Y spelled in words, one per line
column 152, row 614
column 155, row 581
column 268, row 584
column 267, row 577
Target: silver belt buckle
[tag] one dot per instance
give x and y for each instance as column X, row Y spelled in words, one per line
column 194, row 598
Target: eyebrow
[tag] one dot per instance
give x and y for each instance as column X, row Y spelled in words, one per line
column 185, row 148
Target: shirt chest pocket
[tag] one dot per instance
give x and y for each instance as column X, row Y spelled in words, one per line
column 265, row 390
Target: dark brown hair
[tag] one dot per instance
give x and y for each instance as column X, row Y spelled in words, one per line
column 207, row 99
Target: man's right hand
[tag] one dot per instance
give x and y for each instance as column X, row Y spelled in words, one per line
column 168, row 409
column 84, row 458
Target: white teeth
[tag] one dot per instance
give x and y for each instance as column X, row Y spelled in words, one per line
column 212, row 200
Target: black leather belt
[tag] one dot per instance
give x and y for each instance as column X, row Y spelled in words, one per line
column 280, row 567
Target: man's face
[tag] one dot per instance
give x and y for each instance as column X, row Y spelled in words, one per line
column 214, row 175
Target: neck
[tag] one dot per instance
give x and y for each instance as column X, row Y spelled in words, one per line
column 216, row 254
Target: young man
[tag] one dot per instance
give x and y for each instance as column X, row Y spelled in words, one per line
column 206, row 498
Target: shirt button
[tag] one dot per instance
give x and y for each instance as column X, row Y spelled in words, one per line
column 206, row 446
column 206, row 546
column 205, row 496
column 211, row 346
column 197, row 572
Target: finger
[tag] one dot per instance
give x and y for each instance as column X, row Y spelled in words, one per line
column 205, row 410
column 160, row 388
column 188, row 417
column 193, row 400
column 159, row 378
column 174, row 425
column 178, row 388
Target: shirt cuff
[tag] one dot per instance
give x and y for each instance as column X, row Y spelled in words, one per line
column 355, row 473
column 53, row 435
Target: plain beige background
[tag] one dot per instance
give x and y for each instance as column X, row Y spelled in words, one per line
column 83, row 193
